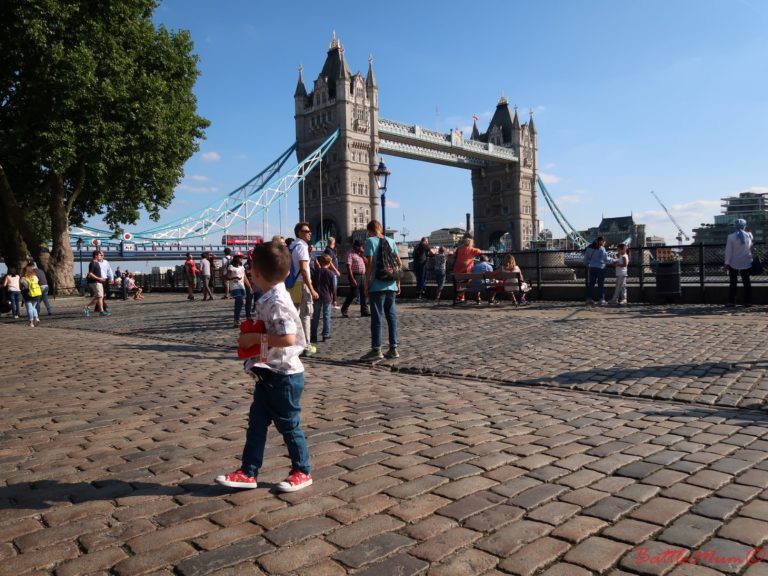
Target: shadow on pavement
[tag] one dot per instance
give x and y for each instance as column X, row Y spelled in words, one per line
column 44, row 494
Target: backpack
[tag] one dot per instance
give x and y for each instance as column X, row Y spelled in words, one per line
column 293, row 274
column 33, row 289
column 387, row 266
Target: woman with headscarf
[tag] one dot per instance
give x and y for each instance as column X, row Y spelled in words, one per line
column 738, row 261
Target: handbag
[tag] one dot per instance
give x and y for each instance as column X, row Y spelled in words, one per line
column 525, row 287
column 757, row 266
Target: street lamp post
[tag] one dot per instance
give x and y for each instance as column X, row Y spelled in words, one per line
column 382, row 175
column 80, row 256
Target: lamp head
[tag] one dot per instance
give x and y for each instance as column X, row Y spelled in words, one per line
column 382, row 174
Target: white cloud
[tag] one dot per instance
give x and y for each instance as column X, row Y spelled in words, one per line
column 576, row 198
column 199, row 178
column 210, row 156
column 549, row 178
column 393, row 203
column 689, row 215
column 195, row 189
column 549, row 165
column 758, row 189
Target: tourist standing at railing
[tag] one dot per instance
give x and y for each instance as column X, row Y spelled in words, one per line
column 738, row 261
column 622, row 267
column 595, row 259
column 420, row 255
column 440, row 260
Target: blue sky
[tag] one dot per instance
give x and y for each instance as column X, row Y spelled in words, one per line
column 628, row 96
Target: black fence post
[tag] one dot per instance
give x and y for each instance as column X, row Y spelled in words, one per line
column 538, row 274
column 641, row 275
column 701, row 267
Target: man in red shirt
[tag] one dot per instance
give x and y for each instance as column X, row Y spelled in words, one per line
column 355, row 273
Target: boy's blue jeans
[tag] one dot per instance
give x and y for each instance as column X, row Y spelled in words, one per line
column 326, row 309
column 276, row 398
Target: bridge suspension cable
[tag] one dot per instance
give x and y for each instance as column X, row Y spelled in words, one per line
column 256, row 195
column 571, row 233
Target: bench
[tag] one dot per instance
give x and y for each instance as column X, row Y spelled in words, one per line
column 466, row 284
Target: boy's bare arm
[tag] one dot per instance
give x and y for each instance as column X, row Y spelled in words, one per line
column 273, row 340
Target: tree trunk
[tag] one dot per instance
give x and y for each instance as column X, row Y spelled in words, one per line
column 60, row 265
column 15, row 249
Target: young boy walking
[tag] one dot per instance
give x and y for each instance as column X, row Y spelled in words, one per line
column 278, row 372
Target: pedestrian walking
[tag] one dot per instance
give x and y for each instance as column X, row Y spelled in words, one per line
column 278, row 372
column 238, row 281
column 190, row 275
column 43, row 281
column 12, row 284
column 738, row 262
column 299, row 281
column 420, row 255
column 330, row 250
column 32, row 291
column 205, row 276
column 356, row 275
column 595, row 260
column 226, row 260
column 96, row 285
column 382, row 285
column 322, row 280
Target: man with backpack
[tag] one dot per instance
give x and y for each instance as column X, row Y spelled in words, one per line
column 382, row 285
column 299, row 281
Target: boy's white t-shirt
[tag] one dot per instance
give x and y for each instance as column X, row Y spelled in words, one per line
column 280, row 317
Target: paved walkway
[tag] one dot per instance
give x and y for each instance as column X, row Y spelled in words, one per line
column 551, row 439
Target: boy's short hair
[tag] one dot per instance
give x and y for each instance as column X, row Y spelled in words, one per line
column 298, row 227
column 374, row 226
column 272, row 260
column 324, row 260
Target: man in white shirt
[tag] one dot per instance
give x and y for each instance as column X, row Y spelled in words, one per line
column 303, row 292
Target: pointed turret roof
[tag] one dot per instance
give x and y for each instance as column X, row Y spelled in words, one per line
column 475, row 131
column 335, row 66
column 516, row 121
column 370, row 79
column 531, row 127
column 503, row 118
column 300, row 89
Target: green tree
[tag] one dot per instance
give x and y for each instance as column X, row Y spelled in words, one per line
column 97, row 116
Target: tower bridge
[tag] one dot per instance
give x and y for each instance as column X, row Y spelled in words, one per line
column 342, row 195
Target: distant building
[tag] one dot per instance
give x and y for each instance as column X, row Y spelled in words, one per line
column 446, row 236
column 654, row 241
column 617, row 230
column 751, row 206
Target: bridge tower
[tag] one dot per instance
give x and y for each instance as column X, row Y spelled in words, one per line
column 341, row 195
column 504, row 194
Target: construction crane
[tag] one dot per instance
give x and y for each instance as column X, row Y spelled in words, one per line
column 680, row 233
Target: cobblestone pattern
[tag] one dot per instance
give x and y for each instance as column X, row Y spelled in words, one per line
column 109, row 445
column 702, row 354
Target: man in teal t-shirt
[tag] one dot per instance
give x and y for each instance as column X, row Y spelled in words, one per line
column 381, row 294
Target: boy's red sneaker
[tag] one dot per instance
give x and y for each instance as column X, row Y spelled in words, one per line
column 237, row 479
column 296, row 481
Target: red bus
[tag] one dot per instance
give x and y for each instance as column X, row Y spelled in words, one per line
column 241, row 239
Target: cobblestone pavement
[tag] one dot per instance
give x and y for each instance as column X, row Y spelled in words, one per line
column 494, row 446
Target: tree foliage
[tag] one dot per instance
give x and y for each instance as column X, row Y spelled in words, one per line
column 97, row 115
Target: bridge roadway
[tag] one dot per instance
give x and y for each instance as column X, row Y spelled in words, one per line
column 551, row 439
